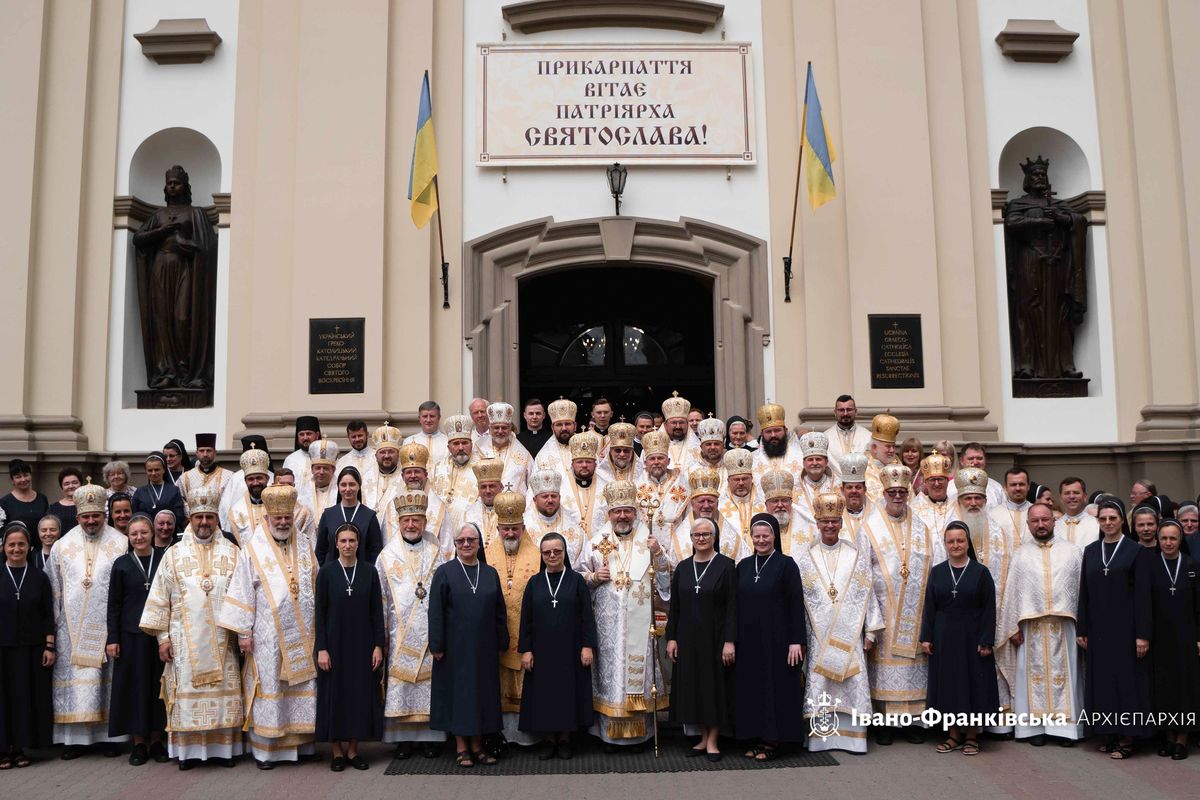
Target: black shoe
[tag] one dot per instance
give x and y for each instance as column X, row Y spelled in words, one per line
column 1039, row 740
column 564, row 751
column 139, row 755
column 111, row 750
column 72, row 752
column 226, row 762
column 914, row 736
column 187, row 763
column 550, row 752
column 404, row 751
column 1180, row 752
column 337, row 764
column 264, row 764
column 158, row 752
column 884, row 736
column 695, row 752
column 431, row 750
column 360, row 763
column 1066, row 742
column 714, row 757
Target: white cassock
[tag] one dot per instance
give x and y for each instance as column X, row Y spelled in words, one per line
column 563, row 522
column 515, row 458
column 201, row 686
column 995, row 493
column 685, row 453
column 436, row 443
column 624, row 607
column 839, row 600
column 300, row 463
column 1011, row 518
column 636, row 471
column 843, row 442
column 585, row 503
column 235, row 487
column 241, row 516
column 79, row 569
column 663, row 502
column 454, row 515
column 738, row 511
column 902, row 553
column 320, row 499
column 196, row 478
column 805, row 493
column 937, row 514
column 678, row 546
column 363, row 461
column 405, row 573
column 452, row 482
column 271, row 598
column 1080, row 530
column 799, row 533
column 389, row 519
column 379, row 491
column 556, row 456
column 791, row 461
column 1040, row 600
column 484, row 517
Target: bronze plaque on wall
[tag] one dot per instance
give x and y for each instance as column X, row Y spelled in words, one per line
column 896, row 359
column 335, row 355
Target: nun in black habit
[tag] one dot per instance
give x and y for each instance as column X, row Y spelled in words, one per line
column 1175, row 638
column 557, row 643
column 26, row 651
column 771, row 632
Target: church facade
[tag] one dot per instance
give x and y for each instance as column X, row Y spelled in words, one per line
column 295, row 122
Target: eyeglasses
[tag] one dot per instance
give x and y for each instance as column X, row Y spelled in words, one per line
column 554, row 552
column 701, row 535
column 461, row 542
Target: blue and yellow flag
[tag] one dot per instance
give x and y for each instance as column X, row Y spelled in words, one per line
column 819, row 173
column 422, row 174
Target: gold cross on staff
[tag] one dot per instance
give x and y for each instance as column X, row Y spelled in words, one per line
column 649, row 504
column 605, row 547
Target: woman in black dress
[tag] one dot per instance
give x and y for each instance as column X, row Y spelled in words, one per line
column 26, row 651
column 1113, row 625
column 350, row 641
column 135, row 708
column 701, row 630
column 23, row 503
column 557, row 644
column 958, row 631
column 69, row 479
column 1175, row 638
column 349, row 508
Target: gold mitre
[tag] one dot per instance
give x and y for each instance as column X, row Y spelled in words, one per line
column 771, row 415
column 704, row 481
column 936, row 465
column 885, row 428
column 738, row 462
column 814, row 443
column 969, row 480
column 562, row 410
column 323, row 451
column 620, row 494
column 621, row 434
column 895, row 476
column 676, row 406
column 656, row 443
column 90, row 499
column 854, row 468
column 458, row 426
column 411, row 503
column 510, row 507
column 545, row 480
column 414, row 455
column 585, row 444
column 279, row 499
column 386, row 436
column 777, row 483
column 255, row 462
column 488, row 469
column 500, row 412
column 828, row 505
column 711, row 430
column 203, row 500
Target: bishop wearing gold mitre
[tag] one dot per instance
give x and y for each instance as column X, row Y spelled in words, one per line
column 201, row 685
column 488, row 473
column 795, row 531
column 740, row 501
column 546, row 515
column 704, row 487
column 934, row 503
column 582, row 491
column 662, row 493
column 516, row 557
column 269, row 605
column 684, row 447
column 619, row 462
column 880, row 452
column 776, row 447
column 556, row 452
column 377, row 486
column 452, row 478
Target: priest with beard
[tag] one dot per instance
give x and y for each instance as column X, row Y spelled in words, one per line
column 684, row 446
column 854, row 492
column 556, row 452
column 845, row 436
column 663, row 491
column 704, row 486
column 206, row 472
column 546, row 515
column 243, row 512
column 777, row 449
column 379, row 487
column 619, row 462
column 503, row 446
column 739, row 501
column 934, row 502
column 795, row 531
column 308, row 430
column 584, row 495
column 452, row 479
column 711, row 433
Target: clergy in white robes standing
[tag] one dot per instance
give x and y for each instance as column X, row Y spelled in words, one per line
column 843, row 623
column 321, row 491
column 405, row 569
column 308, row 430
column 1076, row 525
column 1035, row 631
column 235, row 487
column 1010, row 513
column 704, row 486
column 556, row 452
column 452, row 478
column 854, row 492
column 711, row 432
column 79, row 567
column 482, row 513
column 242, row 512
column 269, row 605
column 663, row 492
column 206, row 472
column 429, row 417
column 583, row 491
column 881, row 451
column 934, row 504
column 201, row 686
column 684, row 447
column 620, row 462
column 361, row 454
column 547, row 515
column 815, row 476
column 386, row 478
column 777, row 448
column 740, row 500
column 629, row 575
column 795, row 531
column 414, row 469
column 503, row 446
column 845, row 436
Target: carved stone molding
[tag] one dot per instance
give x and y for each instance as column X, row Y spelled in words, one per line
column 736, row 264
column 1036, row 40
column 41, row 432
column 130, row 212
column 1169, row 422
column 1091, row 204
column 179, row 41
column 536, row 16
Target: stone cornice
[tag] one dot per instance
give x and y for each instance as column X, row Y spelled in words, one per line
column 1037, row 40
column 179, row 41
column 536, row 16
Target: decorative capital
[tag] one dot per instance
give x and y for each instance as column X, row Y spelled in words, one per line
column 179, row 41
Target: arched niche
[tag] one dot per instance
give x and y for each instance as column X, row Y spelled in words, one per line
column 1069, row 171
column 191, row 149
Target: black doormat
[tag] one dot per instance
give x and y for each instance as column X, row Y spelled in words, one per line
column 590, row 758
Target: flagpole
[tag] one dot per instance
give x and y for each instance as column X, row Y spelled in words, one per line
column 442, row 248
column 787, row 260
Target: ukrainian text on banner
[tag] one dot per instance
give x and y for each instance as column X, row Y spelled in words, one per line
column 594, row 104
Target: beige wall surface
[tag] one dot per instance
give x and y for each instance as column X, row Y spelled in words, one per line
column 325, row 111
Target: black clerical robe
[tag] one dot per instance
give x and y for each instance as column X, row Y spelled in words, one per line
column 349, row 625
column 468, row 626
column 26, row 713
column 556, row 696
column 1176, row 631
column 135, row 706
column 701, row 622
column 1114, row 611
column 370, row 535
column 958, row 620
column 770, row 618
column 150, row 500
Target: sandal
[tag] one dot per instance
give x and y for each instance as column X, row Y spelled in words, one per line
column 1109, row 746
column 484, row 758
column 970, row 747
column 754, row 752
column 949, row 746
column 463, row 759
column 1122, row 752
column 6, row 763
column 21, row 760
column 765, row 753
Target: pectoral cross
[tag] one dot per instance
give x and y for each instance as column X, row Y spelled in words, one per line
column 1172, row 593
column 697, row 588
column 954, row 592
column 553, row 603
column 1106, row 570
column 349, row 590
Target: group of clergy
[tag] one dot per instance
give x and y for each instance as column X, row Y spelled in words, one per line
column 452, row 584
